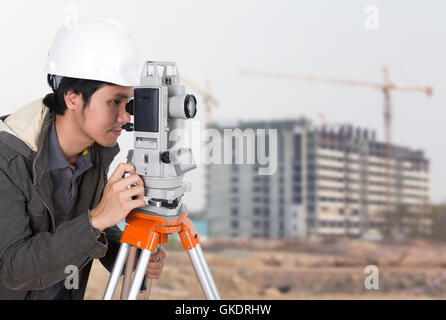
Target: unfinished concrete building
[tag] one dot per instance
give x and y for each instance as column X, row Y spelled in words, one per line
column 333, row 181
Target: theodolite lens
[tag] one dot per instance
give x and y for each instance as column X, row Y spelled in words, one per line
column 190, row 106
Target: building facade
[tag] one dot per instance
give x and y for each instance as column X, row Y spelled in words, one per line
column 335, row 181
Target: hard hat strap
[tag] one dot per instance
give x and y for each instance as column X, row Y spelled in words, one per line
column 55, row 81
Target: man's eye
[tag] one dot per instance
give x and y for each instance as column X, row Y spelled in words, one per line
column 116, row 102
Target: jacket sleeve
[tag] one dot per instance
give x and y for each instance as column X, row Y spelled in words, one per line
column 113, row 235
column 35, row 262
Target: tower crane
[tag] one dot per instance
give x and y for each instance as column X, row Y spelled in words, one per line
column 386, row 87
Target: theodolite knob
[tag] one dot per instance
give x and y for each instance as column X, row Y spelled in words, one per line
column 128, row 127
column 165, row 157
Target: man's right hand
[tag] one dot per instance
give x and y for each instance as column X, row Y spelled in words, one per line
column 117, row 202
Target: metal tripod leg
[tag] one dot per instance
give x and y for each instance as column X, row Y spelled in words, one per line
column 208, row 272
column 140, row 271
column 116, row 272
column 128, row 272
column 204, row 275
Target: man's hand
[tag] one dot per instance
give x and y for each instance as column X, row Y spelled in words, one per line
column 117, row 202
column 156, row 264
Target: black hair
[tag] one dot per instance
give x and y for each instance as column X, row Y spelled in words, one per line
column 56, row 102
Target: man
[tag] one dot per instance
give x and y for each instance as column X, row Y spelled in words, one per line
column 57, row 208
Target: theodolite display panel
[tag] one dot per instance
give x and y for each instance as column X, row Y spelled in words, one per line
column 146, row 109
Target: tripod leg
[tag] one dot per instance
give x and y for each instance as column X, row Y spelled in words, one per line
column 207, row 272
column 148, row 288
column 144, row 293
column 129, row 266
column 204, row 276
column 140, row 271
column 116, row 272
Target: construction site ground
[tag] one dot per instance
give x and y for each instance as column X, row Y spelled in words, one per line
column 265, row 269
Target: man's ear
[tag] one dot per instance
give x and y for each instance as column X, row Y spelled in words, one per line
column 73, row 101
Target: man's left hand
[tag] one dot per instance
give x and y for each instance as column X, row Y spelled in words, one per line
column 156, row 264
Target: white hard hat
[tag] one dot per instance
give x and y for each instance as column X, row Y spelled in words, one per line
column 94, row 48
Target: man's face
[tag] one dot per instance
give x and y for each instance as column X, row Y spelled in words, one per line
column 105, row 114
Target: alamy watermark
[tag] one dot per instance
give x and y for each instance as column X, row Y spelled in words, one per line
column 71, row 19
column 72, row 278
column 371, row 282
column 371, row 21
column 229, row 146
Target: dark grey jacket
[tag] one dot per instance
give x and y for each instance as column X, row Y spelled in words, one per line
column 33, row 255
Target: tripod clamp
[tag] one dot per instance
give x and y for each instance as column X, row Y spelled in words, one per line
column 147, row 231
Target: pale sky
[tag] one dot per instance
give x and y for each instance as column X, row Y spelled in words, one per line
column 213, row 40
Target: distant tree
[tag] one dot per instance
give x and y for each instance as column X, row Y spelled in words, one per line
column 386, row 223
column 394, row 222
column 411, row 221
column 438, row 222
column 391, row 222
column 197, row 215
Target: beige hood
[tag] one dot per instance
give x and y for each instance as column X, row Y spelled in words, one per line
column 26, row 123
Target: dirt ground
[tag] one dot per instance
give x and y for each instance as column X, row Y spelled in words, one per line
column 247, row 269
